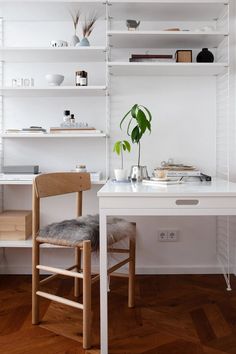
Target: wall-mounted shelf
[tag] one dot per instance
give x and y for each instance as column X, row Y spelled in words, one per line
column 166, row 69
column 52, row 55
column 43, row 10
column 53, row 91
column 169, row 10
column 18, row 182
column 165, row 39
column 50, row 136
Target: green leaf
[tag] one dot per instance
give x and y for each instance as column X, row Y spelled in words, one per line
column 135, row 135
column 134, row 110
column 127, row 145
column 148, row 112
column 142, row 121
column 122, row 121
column 117, row 147
column 128, row 127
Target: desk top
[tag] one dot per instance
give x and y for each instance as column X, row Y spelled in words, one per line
column 218, row 187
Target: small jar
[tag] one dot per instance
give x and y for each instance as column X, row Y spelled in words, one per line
column 81, row 78
column 80, row 168
column 66, row 117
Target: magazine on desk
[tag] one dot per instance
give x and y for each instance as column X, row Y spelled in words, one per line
column 161, row 181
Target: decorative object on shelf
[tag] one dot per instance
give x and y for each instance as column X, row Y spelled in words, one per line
column 15, row 224
column 184, row 56
column 205, row 56
column 75, row 18
column 87, row 29
column 132, row 25
column 119, row 147
column 151, row 58
column 139, row 122
column 54, row 79
column 66, row 119
column 23, row 82
column 175, row 29
column 58, row 43
column 80, row 168
column 81, row 78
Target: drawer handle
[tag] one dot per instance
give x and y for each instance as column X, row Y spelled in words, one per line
column 187, row 202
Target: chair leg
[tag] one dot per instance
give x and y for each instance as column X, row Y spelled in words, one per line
column 35, row 282
column 131, row 294
column 77, row 289
column 87, row 294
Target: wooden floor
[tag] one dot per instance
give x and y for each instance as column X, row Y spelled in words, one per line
column 174, row 315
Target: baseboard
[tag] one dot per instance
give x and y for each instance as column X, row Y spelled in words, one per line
column 197, row 269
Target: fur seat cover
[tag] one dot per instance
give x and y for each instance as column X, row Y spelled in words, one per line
column 72, row 232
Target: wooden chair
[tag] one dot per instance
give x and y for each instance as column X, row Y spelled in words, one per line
column 54, row 184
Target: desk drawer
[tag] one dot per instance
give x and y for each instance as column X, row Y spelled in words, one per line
column 168, row 203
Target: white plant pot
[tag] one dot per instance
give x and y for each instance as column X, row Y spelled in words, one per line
column 120, row 174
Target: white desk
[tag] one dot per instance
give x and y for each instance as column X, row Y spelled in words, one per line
column 123, row 199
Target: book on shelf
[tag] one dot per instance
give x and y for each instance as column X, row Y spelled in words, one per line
column 87, row 130
column 143, row 60
column 30, row 130
column 151, row 56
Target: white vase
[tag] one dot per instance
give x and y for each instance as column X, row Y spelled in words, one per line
column 120, row 174
column 74, row 40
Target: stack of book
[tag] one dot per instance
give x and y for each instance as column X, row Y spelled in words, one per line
column 137, row 58
column 71, row 130
column 30, row 130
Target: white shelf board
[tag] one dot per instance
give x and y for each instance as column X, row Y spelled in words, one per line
column 47, row 10
column 54, row 91
column 52, row 55
column 169, row 10
column 165, row 39
column 50, row 135
column 29, row 183
column 166, row 69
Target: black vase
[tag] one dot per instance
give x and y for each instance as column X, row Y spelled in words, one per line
column 205, row 56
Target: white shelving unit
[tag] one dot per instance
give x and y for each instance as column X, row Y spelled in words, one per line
column 52, row 135
column 155, row 16
column 165, row 39
column 53, row 55
column 53, row 91
column 167, row 69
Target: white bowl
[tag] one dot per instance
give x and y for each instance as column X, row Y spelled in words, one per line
column 54, row 79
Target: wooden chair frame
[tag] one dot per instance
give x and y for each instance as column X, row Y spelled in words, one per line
column 53, row 184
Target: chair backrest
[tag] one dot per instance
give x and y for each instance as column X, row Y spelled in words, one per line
column 53, row 184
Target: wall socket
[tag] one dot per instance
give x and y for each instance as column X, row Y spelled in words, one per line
column 168, row 235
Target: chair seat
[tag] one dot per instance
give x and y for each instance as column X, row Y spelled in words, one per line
column 72, row 233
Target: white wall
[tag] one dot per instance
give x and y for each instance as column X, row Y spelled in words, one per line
column 184, row 128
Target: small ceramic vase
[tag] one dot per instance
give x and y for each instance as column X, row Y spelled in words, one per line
column 205, row 56
column 74, row 40
column 84, row 42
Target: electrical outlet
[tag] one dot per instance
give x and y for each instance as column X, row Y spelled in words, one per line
column 172, row 235
column 162, row 235
column 168, row 235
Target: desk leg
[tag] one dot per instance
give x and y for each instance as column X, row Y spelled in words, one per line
column 103, row 284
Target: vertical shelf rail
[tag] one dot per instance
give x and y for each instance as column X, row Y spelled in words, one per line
column 223, row 224
column 108, row 105
column 1, row 109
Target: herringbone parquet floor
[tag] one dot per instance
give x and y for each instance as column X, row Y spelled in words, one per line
column 174, row 315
